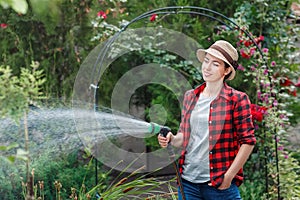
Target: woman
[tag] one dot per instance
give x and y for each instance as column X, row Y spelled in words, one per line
column 216, row 131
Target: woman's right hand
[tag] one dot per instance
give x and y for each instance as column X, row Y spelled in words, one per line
column 164, row 141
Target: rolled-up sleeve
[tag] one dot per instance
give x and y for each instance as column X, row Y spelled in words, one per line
column 243, row 120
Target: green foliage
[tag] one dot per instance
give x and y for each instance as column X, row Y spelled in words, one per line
column 18, row 92
column 252, row 190
column 71, row 171
column 48, row 12
column 288, row 176
column 131, row 186
column 10, row 182
column 46, row 39
column 20, row 153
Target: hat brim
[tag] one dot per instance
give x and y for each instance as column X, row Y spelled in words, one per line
column 201, row 55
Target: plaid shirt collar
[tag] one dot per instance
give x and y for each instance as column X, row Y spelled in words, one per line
column 225, row 91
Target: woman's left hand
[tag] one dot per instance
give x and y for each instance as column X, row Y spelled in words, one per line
column 226, row 182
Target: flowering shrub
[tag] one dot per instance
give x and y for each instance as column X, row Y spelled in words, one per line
column 105, row 24
column 273, row 80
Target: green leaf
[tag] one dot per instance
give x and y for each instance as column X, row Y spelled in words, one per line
column 4, row 4
column 20, row 6
column 7, row 148
column 11, row 158
column 21, row 152
column 3, row 148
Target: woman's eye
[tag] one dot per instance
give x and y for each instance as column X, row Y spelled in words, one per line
column 216, row 64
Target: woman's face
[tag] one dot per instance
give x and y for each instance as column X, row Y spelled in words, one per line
column 213, row 69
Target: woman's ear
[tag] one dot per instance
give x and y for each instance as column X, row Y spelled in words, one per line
column 227, row 70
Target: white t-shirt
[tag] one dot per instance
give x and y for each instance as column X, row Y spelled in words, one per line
column 196, row 165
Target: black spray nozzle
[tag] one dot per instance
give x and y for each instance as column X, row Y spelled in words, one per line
column 155, row 129
column 164, row 131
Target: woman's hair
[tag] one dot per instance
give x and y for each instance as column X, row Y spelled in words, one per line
column 228, row 75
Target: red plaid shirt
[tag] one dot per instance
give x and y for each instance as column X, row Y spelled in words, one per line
column 230, row 125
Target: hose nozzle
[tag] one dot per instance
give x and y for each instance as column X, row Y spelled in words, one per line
column 155, row 129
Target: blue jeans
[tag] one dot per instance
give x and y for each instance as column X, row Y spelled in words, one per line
column 202, row 191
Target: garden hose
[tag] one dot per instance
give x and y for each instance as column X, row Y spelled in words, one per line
column 163, row 131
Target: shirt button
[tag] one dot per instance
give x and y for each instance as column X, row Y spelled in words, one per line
column 210, row 122
column 211, row 168
column 211, row 108
column 210, row 152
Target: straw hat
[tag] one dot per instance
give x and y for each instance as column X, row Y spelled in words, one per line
column 224, row 51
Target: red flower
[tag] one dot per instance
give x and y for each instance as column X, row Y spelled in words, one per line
column 258, row 112
column 259, row 39
column 252, row 51
column 102, row 14
column 244, row 54
column 247, row 43
column 286, row 82
column 3, row 25
column 153, row 17
column 293, row 92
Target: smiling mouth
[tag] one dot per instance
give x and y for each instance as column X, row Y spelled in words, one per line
column 206, row 74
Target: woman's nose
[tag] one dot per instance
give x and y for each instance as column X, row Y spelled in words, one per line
column 207, row 66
